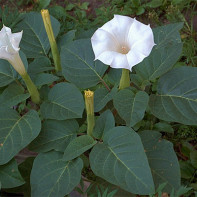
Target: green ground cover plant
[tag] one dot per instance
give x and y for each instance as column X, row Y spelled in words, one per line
column 72, row 125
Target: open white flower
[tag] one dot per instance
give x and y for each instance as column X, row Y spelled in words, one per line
column 9, row 48
column 122, row 42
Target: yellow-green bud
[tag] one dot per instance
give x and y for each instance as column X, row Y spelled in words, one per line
column 50, row 34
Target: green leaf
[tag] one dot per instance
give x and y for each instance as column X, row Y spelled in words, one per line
column 59, row 13
column 131, row 107
column 40, row 65
column 154, row 3
column 55, row 134
column 187, row 170
column 65, row 101
column 164, row 55
column 16, row 132
column 78, row 65
column 140, row 10
column 6, row 73
column 10, row 176
column 51, row 176
column 162, row 160
column 176, row 96
column 164, row 127
column 78, row 146
column 182, row 190
column 25, row 170
column 135, row 3
column 121, row 160
column 167, row 35
column 44, row 3
column 104, row 123
column 13, row 95
column 114, row 75
column 44, row 78
column 66, row 38
column 193, row 157
column 35, row 41
column 102, row 96
column 175, row 2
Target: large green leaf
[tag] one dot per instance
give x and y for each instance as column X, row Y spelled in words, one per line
column 176, row 96
column 6, row 73
column 164, row 55
column 164, row 35
column 78, row 146
column 65, row 101
column 102, row 96
column 44, row 78
column 131, row 107
column 162, row 160
column 40, row 65
column 66, row 38
column 78, row 65
column 35, row 41
column 51, row 176
column 25, row 170
column 13, row 95
column 55, row 134
column 104, row 123
column 16, row 132
column 10, row 176
column 121, row 160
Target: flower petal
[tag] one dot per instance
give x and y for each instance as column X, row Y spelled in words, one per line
column 7, row 30
column 114, row 59
column 134, row 57
column 4, row 54
column 103, row 41
column 139, row 31
column 119, row 27
column 15, row 39
column 144, row 40
column 144, row 46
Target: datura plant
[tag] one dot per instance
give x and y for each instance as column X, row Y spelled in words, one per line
column 101, row 120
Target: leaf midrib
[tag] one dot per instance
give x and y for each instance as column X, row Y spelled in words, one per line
column 176, row 96
column 127, row 167
column 77, row 56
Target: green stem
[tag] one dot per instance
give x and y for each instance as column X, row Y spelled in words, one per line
column 90, row 124
column 125, row 79
column 31, row 88
column 56, row 56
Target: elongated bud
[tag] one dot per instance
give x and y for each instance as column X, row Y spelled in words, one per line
column 89, row 103
column 125, row 79
column 50, row 34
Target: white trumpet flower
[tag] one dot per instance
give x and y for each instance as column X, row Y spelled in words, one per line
column 9, row 48
column 122, row 42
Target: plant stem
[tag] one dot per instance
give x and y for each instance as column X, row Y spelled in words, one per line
column 31, row 88
column 90, row 124
column 125, row 79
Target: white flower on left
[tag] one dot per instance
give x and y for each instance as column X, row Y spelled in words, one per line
column 9, row 48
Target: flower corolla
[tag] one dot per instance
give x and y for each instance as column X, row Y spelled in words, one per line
column 122, row 42
column 9, row 48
